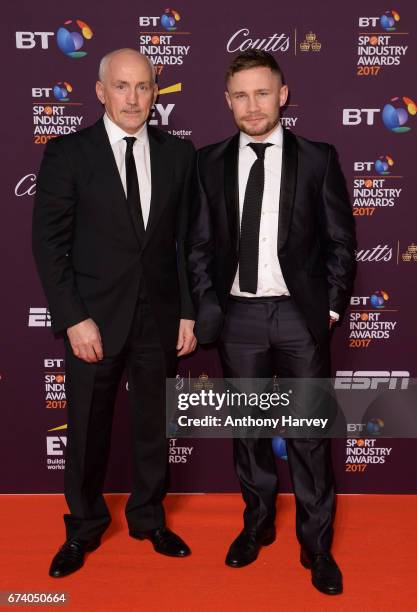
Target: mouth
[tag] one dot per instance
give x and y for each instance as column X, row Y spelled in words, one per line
column 253, row 118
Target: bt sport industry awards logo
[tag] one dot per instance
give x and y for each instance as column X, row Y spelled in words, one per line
column 54, row 383
column 160, row 45
column 363, row 449
column 374, row 186
column 362, row 453
column 370, row 320
column 380, row 46
column 53, row 114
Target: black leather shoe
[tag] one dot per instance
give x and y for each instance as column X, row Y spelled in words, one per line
column 246, row 547
column 164, row 541
column 70, row 556
column 325, row 574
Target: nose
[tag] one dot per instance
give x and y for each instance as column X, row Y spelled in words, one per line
column 132, row 96
column 252, row 104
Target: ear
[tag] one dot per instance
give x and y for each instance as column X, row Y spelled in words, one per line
column 228, row 100
column 283, row 95
column 100, row 91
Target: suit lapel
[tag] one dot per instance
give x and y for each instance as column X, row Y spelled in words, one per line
column 288, row 185
column 104, row 160
column 231, row 189
column 110, row 181
column 161, row 173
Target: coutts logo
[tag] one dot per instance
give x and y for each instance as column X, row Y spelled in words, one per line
column 242, row 40
column 26, row 186
column 382, row 252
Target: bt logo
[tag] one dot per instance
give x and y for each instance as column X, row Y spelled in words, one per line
column 379, row 298
column 355, row 116
column 62, row 90
column 28, row 40
column 381, row 165
column 53, row 363
column 395, row 118
column 168, row 20
column 388, row 20
column 70, row 43
column 374, row 427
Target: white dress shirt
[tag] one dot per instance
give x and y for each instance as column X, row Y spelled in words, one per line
column 142, row 156
column 270, row 279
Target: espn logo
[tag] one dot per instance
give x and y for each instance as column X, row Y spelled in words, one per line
column 39, row 317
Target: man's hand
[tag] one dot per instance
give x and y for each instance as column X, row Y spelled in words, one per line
column 334, row 317
column 85, row 341
column 186, row 342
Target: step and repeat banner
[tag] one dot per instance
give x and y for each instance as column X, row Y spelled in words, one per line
column 351, row 73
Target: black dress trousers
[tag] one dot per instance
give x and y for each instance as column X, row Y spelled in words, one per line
column 91, row 393
column 263, row 337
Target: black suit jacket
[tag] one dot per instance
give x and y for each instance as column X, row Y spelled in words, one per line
column 86, row 245
column 315, row 243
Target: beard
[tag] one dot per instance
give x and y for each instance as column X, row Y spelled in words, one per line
column 265, row 126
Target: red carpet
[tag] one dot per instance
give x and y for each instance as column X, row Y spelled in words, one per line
column 375, row 545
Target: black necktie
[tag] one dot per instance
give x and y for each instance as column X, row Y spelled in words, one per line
column 251, row 220
column 132, row 188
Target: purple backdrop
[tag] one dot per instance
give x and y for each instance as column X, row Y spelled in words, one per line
column 344, row 64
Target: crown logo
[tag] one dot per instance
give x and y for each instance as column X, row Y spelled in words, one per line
column 410, row 253
column 203, row 382
column 310, row 43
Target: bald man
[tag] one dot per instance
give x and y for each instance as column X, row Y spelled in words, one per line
column 109, row 224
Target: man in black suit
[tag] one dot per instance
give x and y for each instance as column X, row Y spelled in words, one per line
column 108, row 238
column 271, row 258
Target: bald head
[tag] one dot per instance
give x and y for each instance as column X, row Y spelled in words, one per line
column 127, row 88
column 123, row 56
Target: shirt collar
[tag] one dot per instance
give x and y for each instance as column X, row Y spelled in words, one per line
column 275, row 138
column 115, row 133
